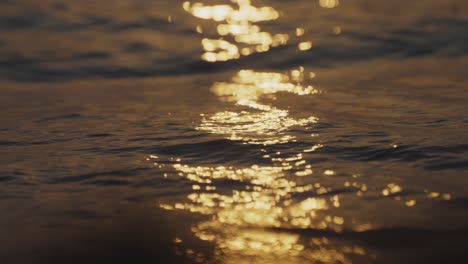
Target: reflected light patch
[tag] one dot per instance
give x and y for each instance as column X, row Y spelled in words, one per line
column 219, row 50
column 306, row 45
column 299, row 32
column 264, row 196
column 239, row 23
column 329, row 3
column 241, row 218
column 262, row 124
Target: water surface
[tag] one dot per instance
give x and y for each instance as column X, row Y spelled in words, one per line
column 233, row 131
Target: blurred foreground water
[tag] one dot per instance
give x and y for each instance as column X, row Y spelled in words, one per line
column 233, row 131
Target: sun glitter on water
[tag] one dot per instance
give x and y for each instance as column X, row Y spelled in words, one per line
column 240, row 25
column 259, row 123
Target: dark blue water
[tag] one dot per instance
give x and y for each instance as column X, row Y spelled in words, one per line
column 233, row 132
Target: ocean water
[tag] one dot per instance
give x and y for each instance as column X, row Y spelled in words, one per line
column 300, row 131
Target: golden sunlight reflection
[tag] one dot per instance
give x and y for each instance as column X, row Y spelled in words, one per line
column 244, row 220
column 329, row 3
column 245, row 217
column 306, row 45
column 270, row 246
column 261, row 211
column 259, row 123
column 239, row 24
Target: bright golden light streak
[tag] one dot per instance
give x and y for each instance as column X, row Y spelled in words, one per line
column 238, row 23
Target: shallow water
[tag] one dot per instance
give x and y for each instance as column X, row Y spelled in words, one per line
column 314, row 131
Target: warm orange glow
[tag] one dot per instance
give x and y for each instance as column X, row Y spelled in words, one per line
column 265, row 124
column 238, row 23
column 264, row 198
column 329, row 3
column 307, row 45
